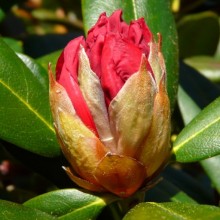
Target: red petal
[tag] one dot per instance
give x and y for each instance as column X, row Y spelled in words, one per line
column 120, row 59
column 67, row 72
column 140, row 35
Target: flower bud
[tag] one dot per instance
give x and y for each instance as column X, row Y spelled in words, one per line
column 110, row 106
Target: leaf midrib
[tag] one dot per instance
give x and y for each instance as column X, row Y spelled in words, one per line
column 27, row 105
column 169, row 211
column 177, row 147
column 134, row 10
column 96, row 202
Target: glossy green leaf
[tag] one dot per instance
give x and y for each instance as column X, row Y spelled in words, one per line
column 173, row 211
column 25, row 118
column 200, row 139
column 198, row 34
column 13, row 211
column 189, row 110
column 154, row 13
column 208, row 66
column 37, row 70
column 16, row 45
column 70, row 204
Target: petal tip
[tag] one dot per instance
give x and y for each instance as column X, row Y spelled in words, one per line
column 82, row 182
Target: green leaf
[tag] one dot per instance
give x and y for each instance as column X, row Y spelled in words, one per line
column 208, row 66
column 172, row 211
column 199, row 88
column 49, row 58
column 16, row 45
column 2, row 14
column 211, row 167
column 70, row 204
column 200, row 139
column 167, row 191
column 193, row 187
column 37, row 70
column 154, row 13
column 198, row 34
column 13, row 211
column 189, row 110
column 24, row 106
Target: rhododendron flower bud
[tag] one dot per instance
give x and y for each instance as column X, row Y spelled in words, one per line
column 110, row 106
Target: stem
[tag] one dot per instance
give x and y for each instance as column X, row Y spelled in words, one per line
column 115, row 211
column 126, row 204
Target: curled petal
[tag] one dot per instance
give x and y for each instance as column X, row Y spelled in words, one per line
column 120, row 175
column 156, row 149
column 131, row 111
column 94, row 96
column 82, row 182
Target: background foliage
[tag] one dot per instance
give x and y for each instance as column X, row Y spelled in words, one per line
column 32, row 183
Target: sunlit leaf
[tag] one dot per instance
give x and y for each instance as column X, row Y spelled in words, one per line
column 37, row 70
column 200, row 139
column 189, row 110
column 13, row 211
column 70, row 204
column 172, row 211
column 16, row 45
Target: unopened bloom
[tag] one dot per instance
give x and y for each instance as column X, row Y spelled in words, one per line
column 110, row 106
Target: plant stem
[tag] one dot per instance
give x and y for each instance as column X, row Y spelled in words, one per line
column 126, row 204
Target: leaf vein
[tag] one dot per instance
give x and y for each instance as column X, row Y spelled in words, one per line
column 96, row 202
column 169, row 211
column 134, row 8
column 28, row 106
column 177, row 147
